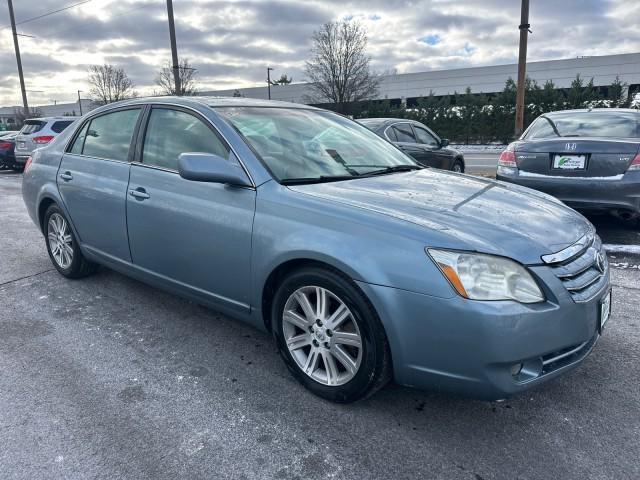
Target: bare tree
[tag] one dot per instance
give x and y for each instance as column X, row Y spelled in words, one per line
column 339, row 67
column 187, row 73
column 110, row 84
column 21, row 115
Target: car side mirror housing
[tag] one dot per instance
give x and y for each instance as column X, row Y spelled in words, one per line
column 208, row 167
column 444, row 142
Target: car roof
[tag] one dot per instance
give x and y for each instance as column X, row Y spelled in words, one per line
column 385, row 121
column 209, row 101
column 49, row 119
column 594, row 110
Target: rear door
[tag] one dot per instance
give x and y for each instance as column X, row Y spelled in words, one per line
column 194, row 235
column 93, row 178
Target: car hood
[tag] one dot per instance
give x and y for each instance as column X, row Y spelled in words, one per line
column 468, row 212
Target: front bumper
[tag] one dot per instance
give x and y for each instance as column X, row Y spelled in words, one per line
column 469, row 347
column 586, row 194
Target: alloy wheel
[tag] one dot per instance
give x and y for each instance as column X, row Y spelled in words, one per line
column 60, row 240
column 322, row 335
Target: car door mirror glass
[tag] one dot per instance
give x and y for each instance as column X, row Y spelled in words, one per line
column 444, row 142
column 208, row 167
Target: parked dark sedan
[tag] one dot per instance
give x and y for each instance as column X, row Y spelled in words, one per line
column 589, row 159
column 417, row 140
column 7, row 146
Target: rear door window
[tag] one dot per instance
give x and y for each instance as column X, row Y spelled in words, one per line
column 109, row 136
column 32, row 126
column 59, row 126
column 172, row 132
column 404, row 133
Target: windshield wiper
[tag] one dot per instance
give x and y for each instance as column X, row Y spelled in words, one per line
column 393, row 169
column 320, row 179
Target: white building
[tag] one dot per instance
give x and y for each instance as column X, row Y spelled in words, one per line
column 603, row 70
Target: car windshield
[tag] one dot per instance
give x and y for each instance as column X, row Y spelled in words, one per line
column 585, row 124
column 299, row 145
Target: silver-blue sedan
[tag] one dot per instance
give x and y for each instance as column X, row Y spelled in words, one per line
column 364, row 265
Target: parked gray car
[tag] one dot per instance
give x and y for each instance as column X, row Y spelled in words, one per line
column 362, row 264
column 589, row 159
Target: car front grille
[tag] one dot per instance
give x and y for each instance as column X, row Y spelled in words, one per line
column 582, row 267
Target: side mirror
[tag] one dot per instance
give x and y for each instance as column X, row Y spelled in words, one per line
column 444, row 142
column 207, row 167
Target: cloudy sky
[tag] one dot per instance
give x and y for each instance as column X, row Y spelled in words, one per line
column 231, row 42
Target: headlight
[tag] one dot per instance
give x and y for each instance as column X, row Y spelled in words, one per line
column 486, row 277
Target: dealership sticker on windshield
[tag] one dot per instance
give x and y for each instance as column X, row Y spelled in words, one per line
column 569, row 162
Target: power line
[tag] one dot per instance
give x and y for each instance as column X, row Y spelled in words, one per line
column 87, row 27
column 48, row 13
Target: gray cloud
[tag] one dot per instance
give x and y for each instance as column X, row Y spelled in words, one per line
column 232, row 42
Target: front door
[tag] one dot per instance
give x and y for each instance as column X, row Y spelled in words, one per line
column 93, row 178
column 193, row 235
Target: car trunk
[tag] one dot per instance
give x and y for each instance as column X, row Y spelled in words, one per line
column 24, row 140
column 576, row 156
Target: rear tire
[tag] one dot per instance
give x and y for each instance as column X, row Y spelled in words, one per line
column 62, row 245
column 336, row 346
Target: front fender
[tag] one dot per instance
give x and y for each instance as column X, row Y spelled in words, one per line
column 367, row 246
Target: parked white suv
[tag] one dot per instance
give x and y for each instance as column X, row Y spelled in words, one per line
column 37, row 132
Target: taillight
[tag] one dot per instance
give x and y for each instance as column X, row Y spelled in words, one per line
column 43, row 139
column 27, row 164
column 635, row 164
column 6, row 145
column 507, row 159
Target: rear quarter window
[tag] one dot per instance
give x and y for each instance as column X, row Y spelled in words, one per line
column 59, row 127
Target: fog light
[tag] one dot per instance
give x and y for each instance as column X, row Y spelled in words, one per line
column 516, row 368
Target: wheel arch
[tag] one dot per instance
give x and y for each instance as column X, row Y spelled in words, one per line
column 280, row 271
column 460, row 158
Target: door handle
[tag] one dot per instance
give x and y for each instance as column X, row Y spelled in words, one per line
column 66, row 176
column 139, row 193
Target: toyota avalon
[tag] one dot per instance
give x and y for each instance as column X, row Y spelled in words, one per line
column 364, row 265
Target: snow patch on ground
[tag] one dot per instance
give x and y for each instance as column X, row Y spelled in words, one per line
column 612, row 247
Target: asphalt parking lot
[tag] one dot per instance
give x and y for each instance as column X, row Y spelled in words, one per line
column 109, row 378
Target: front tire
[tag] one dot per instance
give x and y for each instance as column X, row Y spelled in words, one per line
column 457, row 167
column 329, row 335
column 62, row 245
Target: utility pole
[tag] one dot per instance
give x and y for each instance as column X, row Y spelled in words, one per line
column 80, row 102
column 17, row 47
column 269, row 82
column 522, row 66
column 174, row 49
